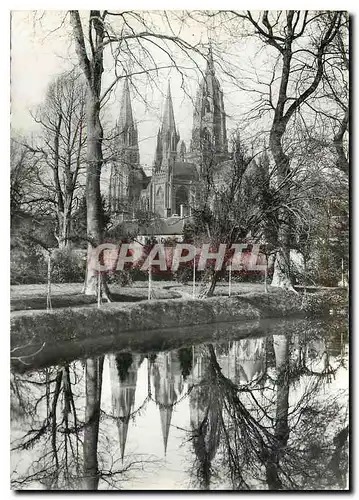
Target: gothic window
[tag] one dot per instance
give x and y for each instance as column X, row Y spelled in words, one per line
column 159, row 198
column 181, row 198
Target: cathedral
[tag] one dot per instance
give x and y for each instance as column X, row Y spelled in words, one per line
column 173, row 189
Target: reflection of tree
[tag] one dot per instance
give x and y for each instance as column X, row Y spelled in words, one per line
column 64, row 445
column 185, row 358
column 205, row 408
column 264, row 439
column 94, row 369
column 281, row 429
column 263, row 414
column 54, row 429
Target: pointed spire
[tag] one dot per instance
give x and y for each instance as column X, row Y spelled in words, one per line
column 166, row 417
column 122, row 434
column 168, row 119
column 123, row 376
column 126, row 116
column 265, row 158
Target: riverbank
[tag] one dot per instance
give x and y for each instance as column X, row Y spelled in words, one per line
column 75, row 324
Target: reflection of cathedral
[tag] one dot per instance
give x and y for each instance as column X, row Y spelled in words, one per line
column 167, row 380
column 123, row 375
column 245, row 361
column 174, row 185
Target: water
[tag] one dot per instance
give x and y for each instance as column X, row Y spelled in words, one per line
column 268, row 411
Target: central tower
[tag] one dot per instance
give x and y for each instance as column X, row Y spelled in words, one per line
column 165, row 158
column 209, row 118
column 167, row 137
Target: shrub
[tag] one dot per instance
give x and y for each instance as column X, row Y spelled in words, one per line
column 122, row 278
column 27, row 265
column 68, row 266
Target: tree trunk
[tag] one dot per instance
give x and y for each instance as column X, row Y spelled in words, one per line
column 65, row 229
column 93, row 195
column 210, row 280
column 92, row 68
column 94, row 369
column 281, row 275
column 281, row 431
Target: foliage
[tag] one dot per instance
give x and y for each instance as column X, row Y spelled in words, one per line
column 27, row 264
column 68, row 266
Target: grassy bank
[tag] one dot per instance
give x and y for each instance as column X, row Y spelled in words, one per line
column 78, row 323
column 134, row 321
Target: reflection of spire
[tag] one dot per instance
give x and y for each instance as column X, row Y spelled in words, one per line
column 168, row 384
column 123, row 375
column 166, row 417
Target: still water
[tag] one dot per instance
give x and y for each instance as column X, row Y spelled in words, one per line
column 264, row 412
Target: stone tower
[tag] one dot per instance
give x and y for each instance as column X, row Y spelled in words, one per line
column 209, row 118
column 167, row 137
column 165, row 158
column 124, row 170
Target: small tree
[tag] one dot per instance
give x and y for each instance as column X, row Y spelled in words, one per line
column 234, row 203
column 60, row 149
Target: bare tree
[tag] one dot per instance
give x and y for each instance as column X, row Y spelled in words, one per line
column 60, row 149
column 300, row 42
column 129, row 36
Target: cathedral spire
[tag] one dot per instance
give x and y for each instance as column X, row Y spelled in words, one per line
column 168, row 119
column 167, row 139
column 126, row 116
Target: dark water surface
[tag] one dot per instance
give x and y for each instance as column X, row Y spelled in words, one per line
column 267, row 411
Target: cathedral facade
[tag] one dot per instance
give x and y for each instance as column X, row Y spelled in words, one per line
column 174, row 186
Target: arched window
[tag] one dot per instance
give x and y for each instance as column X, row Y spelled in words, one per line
column 159, row 197
column 181, row 199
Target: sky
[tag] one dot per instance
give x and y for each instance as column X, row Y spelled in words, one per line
column 41, row 48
